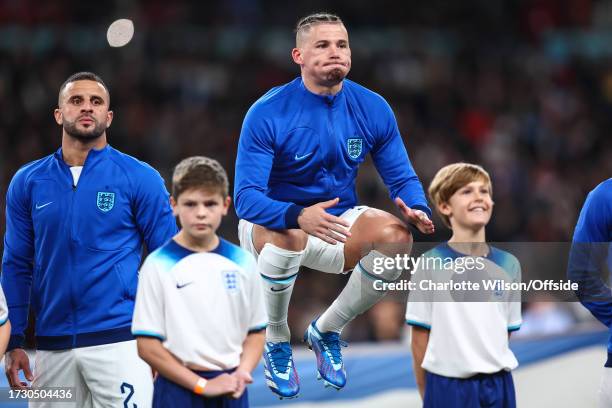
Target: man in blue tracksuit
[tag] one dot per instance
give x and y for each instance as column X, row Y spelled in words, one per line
column 75, row 225
column 591, row 251
column 300, row 147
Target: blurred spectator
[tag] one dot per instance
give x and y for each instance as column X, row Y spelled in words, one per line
column 545, row 316
column 524, row 88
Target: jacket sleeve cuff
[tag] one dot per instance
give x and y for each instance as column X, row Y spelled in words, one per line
column 423, row 208
column 291, row 216
column 15, row 341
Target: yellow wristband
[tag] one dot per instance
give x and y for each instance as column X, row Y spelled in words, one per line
column 199, row 387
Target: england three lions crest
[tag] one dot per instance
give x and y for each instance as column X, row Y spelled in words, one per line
column 106, row 201
column 354, row 147
column 230, row 279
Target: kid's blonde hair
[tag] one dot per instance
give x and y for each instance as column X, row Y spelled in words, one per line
column 451, row 178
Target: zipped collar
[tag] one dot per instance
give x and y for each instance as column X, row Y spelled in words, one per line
column 327, row 99
column 93, row 156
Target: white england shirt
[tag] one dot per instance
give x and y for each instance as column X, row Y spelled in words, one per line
column 201, row 305
column 466, row 337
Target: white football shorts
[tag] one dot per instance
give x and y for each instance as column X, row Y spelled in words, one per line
column 103, row 376
column 318, row 254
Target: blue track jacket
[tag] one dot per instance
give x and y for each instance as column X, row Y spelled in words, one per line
column 297, row 149
column 591, row 251
column 73, row 253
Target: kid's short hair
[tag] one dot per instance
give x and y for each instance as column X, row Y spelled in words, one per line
column 199, row 172
column 451, row 178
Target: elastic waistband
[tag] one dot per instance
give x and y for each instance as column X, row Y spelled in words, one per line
column 84, row 339
column 480, row 376
column 212, row 374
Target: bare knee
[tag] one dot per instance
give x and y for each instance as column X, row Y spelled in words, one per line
column 395, row 234
column 388, row 233
column 291, row 240
column 394, row 239
column 377, row 229
column 381, row 227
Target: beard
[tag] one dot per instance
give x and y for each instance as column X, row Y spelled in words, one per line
column 335, row 76
column 84, row 135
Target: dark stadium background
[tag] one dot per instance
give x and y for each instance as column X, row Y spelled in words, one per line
column 522, row 87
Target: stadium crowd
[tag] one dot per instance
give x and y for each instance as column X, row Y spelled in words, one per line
column 523, row 89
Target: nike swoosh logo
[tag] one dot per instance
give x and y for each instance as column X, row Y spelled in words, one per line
column 38, row 207
column 273, row 289
column 179, row 286
column 302, row 157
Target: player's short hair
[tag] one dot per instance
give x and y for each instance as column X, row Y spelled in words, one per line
column 451, row 178
column 81, row 76
column 199, row 172
column 306, row 23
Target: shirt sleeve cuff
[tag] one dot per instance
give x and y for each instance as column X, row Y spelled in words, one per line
column 259, row 328
column 411, row 322
column 291, row 216
column 423, row 208
column 15, row 341
column 147, row 333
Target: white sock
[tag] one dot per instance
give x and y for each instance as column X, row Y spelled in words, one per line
column 358, row 295
column 278, row 268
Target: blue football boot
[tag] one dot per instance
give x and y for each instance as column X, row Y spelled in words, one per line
column 281, row 375
column 329, row 359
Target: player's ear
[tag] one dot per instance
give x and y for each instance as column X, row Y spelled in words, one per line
column 109, row 118
column 226, row 204
column 173, row 205
column 57, row 114
column 444, row 208
column 296, row 54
